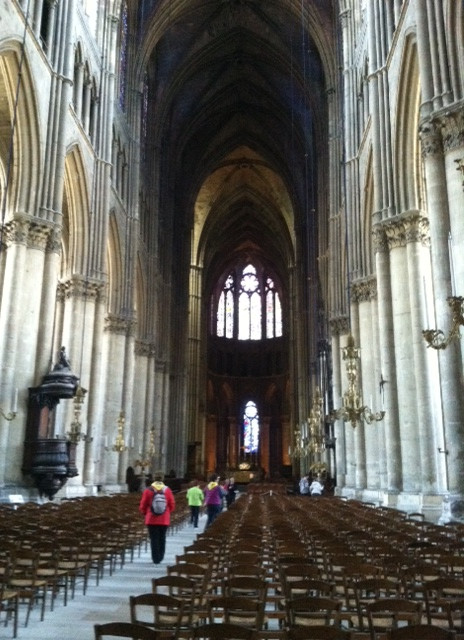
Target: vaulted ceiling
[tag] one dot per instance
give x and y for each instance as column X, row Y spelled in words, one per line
column 238, row 120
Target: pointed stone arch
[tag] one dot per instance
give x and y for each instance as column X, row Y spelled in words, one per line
column 20, row 162
column 75, row 221
column 407, row 161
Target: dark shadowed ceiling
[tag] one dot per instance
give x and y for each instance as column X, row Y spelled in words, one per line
column 237, row 124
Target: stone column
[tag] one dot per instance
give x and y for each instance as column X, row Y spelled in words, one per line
column 234, row 442
column 264, row 443
column 404, row 357
column 450, row 363
column 452, row 123
column 10, row 327
column 159, row 411
column 97, row 382
column 390, row 423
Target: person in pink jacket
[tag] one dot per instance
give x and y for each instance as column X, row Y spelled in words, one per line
column 157, row 525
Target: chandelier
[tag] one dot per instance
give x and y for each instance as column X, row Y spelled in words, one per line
column 353, row 409
column 145, row 459
column 120, row 442
column 435, row 338
column 75, row 435
column 316, row 442
column 298, row 450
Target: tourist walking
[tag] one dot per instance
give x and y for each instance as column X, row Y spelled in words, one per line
column 195, row 499
column 213, row 499
column 157, row 519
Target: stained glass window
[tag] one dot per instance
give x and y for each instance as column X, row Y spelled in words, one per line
column 249, row 310
column 225, row 310
column 250, row 428
column 273, row 311
column 249, row 306
column 123, row 44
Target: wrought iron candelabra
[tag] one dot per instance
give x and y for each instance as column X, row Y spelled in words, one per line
column 120, row 443
column 146, row 458
column 316, row 443
column 435, row 338
column 353, row 409
column 75, row 435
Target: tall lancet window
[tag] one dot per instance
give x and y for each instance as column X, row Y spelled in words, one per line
column 250, row 428
column 248, row 306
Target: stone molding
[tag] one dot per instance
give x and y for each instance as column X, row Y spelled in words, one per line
column 144, row 348
column 339, row 325
column 431, row 139
column 453, row 130
column 120, row 325
column 364, row 290
column 33, row 233
column 411, row 226
column 77, row 287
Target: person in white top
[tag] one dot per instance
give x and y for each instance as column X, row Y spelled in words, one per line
column 316, row 488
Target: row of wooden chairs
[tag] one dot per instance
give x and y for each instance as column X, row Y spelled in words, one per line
column 301, row 577
column 41, row 556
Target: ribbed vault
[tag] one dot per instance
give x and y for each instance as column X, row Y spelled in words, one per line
column 236, row 162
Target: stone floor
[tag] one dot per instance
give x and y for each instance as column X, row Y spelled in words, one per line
column 106, row 603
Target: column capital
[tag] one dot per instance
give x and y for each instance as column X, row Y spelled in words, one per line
column 80, row 287
column 145, row 348
column 120, row 325
column 431, row 139
column 453, row 130
column 364, row 290
column 24, row 229
column 339, row 325
column 410, row 226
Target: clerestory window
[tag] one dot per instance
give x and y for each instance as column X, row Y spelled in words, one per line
column 248, row 306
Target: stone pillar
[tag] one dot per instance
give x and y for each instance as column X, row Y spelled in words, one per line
column 264, row 445
column 234, row 442
column 390, row 423
column 452, row 124
column 97, row 381
column 450, row 362
column 159, row 411
column 404, row 357
column 10, row 327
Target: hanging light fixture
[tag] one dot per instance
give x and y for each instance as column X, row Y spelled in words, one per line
column 435, row 338
column 316, row 440
column 120, row 445
column 353, row 409
column 298, row 450
column 146, row 458
column 75, row 435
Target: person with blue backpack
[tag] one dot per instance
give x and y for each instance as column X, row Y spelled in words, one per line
column 157, row 504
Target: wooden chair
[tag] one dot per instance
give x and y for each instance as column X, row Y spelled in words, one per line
column 312, row 611
column 371, row 589
column 444, row 601
column 25, row 581
column 220, row 631
column 420, row 632
column 391, row 613
column 319, row 632
column 159, row 611
column 9, row 598
column 125, row 630
column 237, row 610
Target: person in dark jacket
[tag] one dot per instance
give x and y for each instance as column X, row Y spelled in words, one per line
column 157, row 524
column 231, row 492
